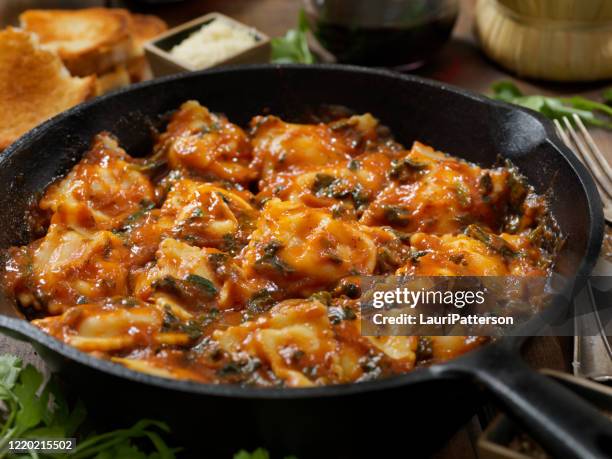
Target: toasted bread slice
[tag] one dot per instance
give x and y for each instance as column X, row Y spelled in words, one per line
column 117, row 78
column 139, row 69
column 145, row 27
column 34, row 85
column 90, row 40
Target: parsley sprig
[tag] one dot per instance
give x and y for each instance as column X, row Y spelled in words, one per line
column 33, row 408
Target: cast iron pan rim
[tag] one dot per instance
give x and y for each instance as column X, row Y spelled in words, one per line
column 422, row 374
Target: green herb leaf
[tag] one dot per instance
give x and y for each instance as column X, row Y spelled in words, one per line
column 259, row 453
column 337, row 314
column 260, row 302
column 485, row 184
column 506, row 91
column 128, row 223
column 492, row 241
column 10, row 367
column 322, row 297
column 322, row 184
column 607, row 96
column 589, row 111
column 293, row 47
column 271, row 259
column 202, row 283
column 396, row 215
column 33, row 408
column 463, row 194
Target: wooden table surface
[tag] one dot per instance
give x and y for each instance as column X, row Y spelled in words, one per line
column 460, row 63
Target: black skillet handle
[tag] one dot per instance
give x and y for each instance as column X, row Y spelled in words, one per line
column 562, row 422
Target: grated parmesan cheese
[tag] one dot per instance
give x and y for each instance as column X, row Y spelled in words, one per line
column 213, row 43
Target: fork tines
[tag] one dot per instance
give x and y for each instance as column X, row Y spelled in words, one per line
column 579, row 140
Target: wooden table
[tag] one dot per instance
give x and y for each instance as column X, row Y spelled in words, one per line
column 460, row 63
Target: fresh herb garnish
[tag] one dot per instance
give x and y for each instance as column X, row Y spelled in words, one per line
column 517, row 187
column 388, row 260
column 203, row 284
column 145, row 206
column 351, row 290
column 463, row 194
column 416, row 254
column 322, row 297
column 192, row 288
column 229, row 369
column 259, row 453
column 128, row 223
column 485, row 184
column 231, row 244
column 589, row 111
column 359, row 197
column 403, row 170
column 396, row 215
column 271, row 259
column 170, row 321
column 192, row 328
column 322, row 185
column 32, row 408
column 335, row 315
column 492, row 241
column 293, row 47
column 240, row 368
column 261, row 301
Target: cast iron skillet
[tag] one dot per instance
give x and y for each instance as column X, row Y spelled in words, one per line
column 412, row 412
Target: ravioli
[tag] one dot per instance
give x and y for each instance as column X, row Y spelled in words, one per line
column 434, row 193
column 303, row 249
column 237, row 256
column 101, row 191
column 208, row 144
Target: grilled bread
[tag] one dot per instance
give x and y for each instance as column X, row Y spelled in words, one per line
column 89, row 41
column 119, row 77
column 34, row 85
column 145, row 27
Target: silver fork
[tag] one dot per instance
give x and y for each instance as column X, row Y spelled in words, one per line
column 592, row 351
column 582, row 144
